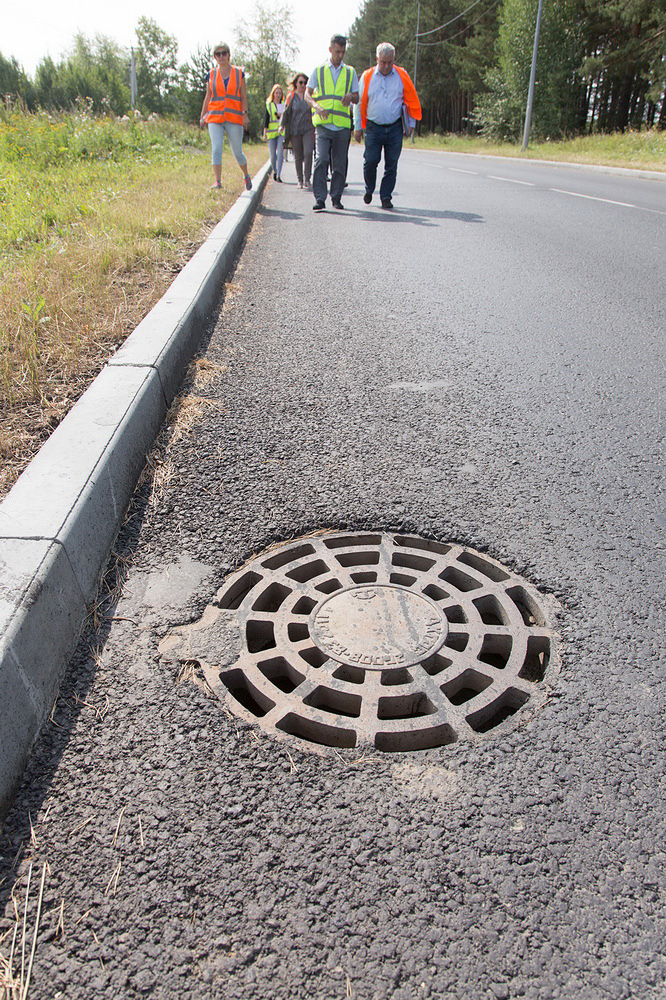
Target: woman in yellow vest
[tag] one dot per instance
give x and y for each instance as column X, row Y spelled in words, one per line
column 272, row 118
column 224, row 110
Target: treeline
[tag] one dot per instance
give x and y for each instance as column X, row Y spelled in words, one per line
column 97, row 71
column 601, row 63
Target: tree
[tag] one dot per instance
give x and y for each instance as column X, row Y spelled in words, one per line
column 266, row 50
column 454, row 51
column 157, row 71
column 624, row 62
column 189, row 95
column 96, row 71
column 14, row 83
column 559, row 86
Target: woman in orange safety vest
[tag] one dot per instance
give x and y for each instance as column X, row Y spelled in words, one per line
column 224, row 110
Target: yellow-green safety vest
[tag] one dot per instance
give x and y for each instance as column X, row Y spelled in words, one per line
column 329, row 96
column 274, row 124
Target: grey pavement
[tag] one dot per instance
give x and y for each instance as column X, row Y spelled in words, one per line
column 483, row 365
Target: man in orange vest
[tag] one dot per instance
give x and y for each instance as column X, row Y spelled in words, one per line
column 388, row 102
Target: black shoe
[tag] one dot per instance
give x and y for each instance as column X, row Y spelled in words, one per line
column 319, row 206
column 279, row 180
column 338, row 204
column 387, row 203
column 367, row 197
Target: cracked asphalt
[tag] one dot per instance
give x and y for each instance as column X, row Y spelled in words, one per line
column 484, row 365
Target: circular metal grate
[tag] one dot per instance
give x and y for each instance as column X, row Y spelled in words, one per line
column 405, row 643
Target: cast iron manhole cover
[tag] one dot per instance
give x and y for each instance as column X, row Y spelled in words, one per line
column 397, row 641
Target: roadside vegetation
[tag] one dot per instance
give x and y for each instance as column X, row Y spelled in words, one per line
column 644, row 150
column 600, row 65
column 97, row 215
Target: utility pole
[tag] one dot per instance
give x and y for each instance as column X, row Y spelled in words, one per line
column 416, row 52
column 133, row 81
column 530, row 93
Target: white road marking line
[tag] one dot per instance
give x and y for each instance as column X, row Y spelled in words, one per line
column 591, row 197
column 494, row 177
column 459, row 170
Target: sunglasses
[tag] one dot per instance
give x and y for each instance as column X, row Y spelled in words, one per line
column 302, row 81
column 221, row 52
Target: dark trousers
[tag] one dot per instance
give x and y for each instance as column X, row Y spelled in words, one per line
column 303, row 147
column 378, row 138
column 333, row 144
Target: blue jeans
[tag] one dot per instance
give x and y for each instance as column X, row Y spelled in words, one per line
column 388, row 138
column 234, row 132
column 276, row 153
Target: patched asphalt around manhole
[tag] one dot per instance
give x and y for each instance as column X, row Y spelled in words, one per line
column 348, row 639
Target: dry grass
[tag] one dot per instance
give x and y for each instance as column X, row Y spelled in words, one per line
column 185, row 412
column 20, row 943
column 644, row 150
column 67, row 302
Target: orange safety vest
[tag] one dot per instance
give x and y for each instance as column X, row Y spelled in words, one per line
column 225, row 102
column 410, row 97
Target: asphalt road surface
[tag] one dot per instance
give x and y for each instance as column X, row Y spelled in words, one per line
column 483, row 365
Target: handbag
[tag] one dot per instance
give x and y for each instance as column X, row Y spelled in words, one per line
column 286, row 122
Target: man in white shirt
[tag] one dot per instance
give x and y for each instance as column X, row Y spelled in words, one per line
column 330, row 91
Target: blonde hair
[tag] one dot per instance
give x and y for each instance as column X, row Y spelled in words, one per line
column 276, row 86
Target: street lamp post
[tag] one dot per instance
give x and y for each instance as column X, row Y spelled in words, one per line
column 530, row 93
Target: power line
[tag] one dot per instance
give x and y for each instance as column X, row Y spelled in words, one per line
column 421, row 34
column 444, row 41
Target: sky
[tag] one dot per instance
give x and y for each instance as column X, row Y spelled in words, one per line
column 33, row 30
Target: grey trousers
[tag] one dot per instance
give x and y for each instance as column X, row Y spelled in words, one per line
column 303, row 147
column 333, row 144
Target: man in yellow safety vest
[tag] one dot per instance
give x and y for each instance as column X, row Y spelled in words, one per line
column 330, row 91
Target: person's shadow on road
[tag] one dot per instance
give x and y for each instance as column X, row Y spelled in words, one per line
column 278, row 214
column 417, row 216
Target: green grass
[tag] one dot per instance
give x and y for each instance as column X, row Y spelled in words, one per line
column 639, row 150
column 57, row 169
column 96, row 217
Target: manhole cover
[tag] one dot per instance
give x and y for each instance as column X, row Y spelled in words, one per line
column 378, row 627
column 346, row 639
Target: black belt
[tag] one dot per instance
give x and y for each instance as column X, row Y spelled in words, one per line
column 390, row 124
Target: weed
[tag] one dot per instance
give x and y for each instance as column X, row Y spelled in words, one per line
column 96, row 217
column 646, row 149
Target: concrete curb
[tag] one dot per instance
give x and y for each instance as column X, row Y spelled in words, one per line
column 59, row 521
column 651, row 175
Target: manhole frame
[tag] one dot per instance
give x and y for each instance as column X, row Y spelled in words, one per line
column 322, row 728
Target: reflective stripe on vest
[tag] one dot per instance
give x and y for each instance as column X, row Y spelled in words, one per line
column 225, row 103
column 410, row 97
column 329, row 96
column 274, row 124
